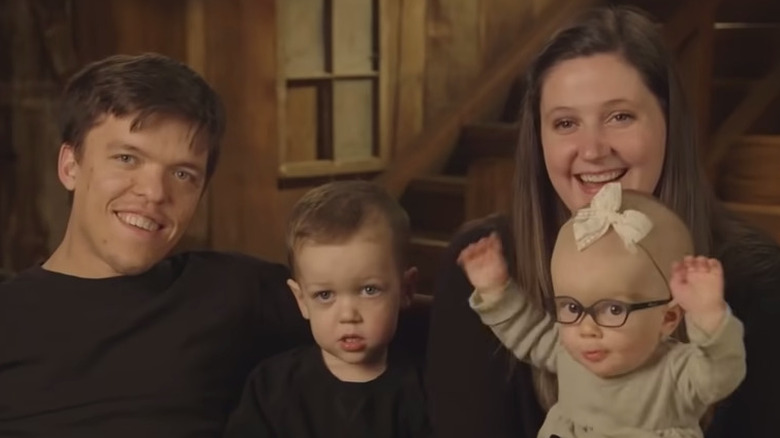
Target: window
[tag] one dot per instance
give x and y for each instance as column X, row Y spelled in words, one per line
column 333, row 86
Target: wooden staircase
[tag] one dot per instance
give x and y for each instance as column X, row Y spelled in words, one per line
column 477, row 178
column 745, row 117
column 440, row 204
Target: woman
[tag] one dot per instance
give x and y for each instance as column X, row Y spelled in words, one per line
column 603, row 103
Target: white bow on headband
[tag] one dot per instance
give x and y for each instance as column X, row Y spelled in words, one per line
column 592, row 222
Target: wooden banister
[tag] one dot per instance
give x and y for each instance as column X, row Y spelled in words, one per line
column 436, row 142
column 749, row 109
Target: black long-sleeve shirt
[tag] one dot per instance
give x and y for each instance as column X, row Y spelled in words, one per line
column 295, row 395
column 161, row 354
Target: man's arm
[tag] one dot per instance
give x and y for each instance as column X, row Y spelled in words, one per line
column 279, row 324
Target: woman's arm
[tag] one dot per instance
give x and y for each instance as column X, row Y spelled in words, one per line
column 475, row 386
column 752, row 271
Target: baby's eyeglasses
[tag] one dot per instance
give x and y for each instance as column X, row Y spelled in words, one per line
column 606, row 313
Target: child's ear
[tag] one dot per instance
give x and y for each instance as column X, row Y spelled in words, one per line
column 672, row 317
column 298, row 294
column 408, row 286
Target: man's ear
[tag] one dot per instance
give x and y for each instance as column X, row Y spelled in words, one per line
column 672, row 317
column 67, row 166
column 295, row 288
column 408, row 286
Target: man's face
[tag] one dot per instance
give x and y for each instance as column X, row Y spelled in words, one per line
column 134, row 194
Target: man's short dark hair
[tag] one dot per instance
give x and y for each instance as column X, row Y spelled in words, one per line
column 142, row 85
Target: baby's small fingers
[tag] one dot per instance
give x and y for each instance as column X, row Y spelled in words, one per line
column 466, row 253
column 695, row 264
column 714, row 265
column 494, row 245
column 680, row 267
column 679, row 275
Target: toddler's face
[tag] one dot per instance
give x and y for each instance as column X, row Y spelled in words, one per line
column 607, row 272
column 351, row 293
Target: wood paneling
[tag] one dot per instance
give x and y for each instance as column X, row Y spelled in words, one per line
column 106, row 27
column 453, row 53
column 33, row 135
column 487, row 190
column 241, row 55
column 695, row 65
column 406, row 71
column 502, row 23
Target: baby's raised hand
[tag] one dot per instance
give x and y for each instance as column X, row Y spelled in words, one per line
column 697, row 286
column 484, row 264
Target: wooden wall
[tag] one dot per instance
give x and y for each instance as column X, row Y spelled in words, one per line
column 464, row 37
column 30, row 205
column 435, row 50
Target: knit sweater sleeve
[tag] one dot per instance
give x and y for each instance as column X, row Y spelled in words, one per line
column 712, row 366
column 521, row 325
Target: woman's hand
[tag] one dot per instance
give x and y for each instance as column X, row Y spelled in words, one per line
column 485, row 266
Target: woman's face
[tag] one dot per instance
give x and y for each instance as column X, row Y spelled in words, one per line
column 600, row 123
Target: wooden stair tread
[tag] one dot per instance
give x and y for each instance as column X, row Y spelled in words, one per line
column 768, row 209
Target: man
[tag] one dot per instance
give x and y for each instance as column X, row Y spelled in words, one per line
column 109, row 338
